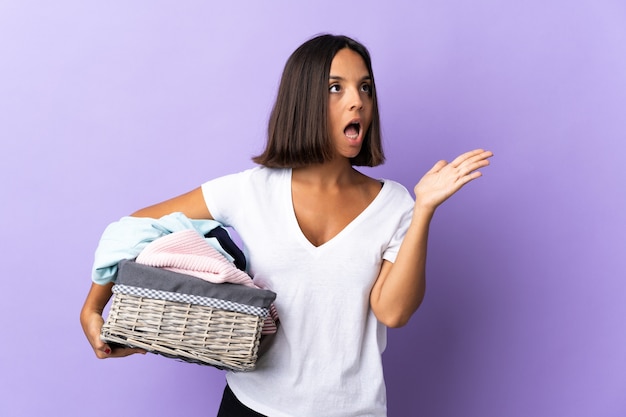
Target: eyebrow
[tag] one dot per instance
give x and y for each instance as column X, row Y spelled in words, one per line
column 339, row 78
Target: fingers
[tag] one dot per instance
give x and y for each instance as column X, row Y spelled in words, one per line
column 120, row 352
column 469, row 162
column 464, row 168
column 471, row 157
column 92, row 325
column 444, row 179
column 437, row 167
column 104, row 350
column 101, row 349
column 107, row 351
column 476, row 159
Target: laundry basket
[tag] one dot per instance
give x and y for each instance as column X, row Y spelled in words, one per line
column 186, row 318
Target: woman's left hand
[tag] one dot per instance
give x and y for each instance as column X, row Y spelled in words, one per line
column 444, row 179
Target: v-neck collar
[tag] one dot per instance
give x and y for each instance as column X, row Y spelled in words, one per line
column 353, row 223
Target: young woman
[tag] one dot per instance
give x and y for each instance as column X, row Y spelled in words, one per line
column 345, row 253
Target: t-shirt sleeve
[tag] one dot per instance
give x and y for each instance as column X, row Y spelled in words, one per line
column 404, row 204
column 224, row 196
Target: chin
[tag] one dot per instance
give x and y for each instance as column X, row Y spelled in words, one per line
column 350, row 155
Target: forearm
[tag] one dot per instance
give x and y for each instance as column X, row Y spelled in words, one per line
column 91, row 317
column 400, row 288
column 97, row 298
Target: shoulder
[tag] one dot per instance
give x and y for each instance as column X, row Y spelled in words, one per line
column 258, row 173
column 396, row 198
column 390, row 188
column 268, row 173
column 396, row 190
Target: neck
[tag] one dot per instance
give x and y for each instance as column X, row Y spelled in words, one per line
column 333, row 173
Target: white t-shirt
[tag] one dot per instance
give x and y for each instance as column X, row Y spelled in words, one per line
column 325, row 359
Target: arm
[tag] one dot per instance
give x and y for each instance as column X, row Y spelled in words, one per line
column 191, row 204
column 400, row 286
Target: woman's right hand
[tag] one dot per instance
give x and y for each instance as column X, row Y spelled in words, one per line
column 91, row 320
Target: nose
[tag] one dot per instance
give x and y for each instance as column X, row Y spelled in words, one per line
column 355, row 100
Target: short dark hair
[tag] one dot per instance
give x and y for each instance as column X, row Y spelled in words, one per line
column 298, row 125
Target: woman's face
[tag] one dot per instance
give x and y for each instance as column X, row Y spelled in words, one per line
column 349, row 103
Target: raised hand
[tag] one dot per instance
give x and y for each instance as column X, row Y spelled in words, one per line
column 444, row 179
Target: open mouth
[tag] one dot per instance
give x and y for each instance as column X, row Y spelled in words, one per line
column 352, row 130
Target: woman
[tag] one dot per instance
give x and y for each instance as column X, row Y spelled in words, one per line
column 345, row 253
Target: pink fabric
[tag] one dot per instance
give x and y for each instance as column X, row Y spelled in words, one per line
column 187, row 252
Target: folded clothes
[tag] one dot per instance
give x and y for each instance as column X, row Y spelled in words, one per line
column 223, row 237
column 188, row 253
column 134, row 274
column 126, row 238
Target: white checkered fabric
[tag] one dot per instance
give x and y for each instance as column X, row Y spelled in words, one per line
column 191, row 299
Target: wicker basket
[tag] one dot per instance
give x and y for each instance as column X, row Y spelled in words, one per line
column 186, row 318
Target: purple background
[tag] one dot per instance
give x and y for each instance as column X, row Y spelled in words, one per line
column 106, row 107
